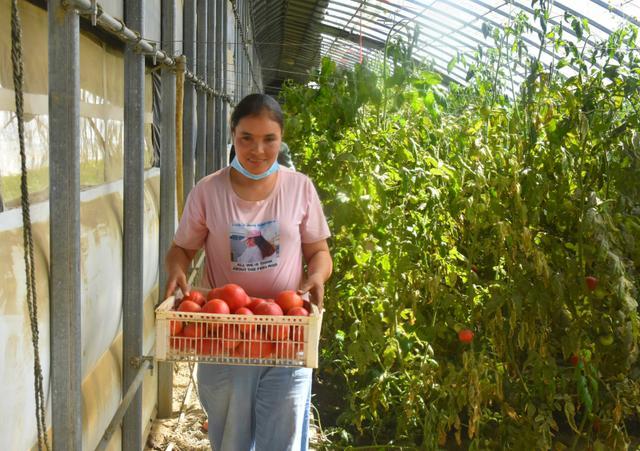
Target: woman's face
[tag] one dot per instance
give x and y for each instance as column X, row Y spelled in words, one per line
column 257, row 142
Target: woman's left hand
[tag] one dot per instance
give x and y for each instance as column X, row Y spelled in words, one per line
column 314, row 285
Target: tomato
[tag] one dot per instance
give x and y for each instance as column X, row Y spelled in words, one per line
column 254, row 303
column 234, row 296
column 195, row 330
column 230, row 336
column 196, row 297
column 215, row 293
column 175, row 327
column 255, row 349
column 592, row 282
column 278, row 332
column 297, row 333
column 288, row 300
column 207, row 346
column 287, row 350
column 205, row 426
column 465, row 336
column 297, row 311
column 245, row 329
column 216, row 306
column 189, row 306
column 268, row 308
column 180, row 343
column 574, row 360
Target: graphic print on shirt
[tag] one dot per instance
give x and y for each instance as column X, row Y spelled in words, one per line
column 254, row 247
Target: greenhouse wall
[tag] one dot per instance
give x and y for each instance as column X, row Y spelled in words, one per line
column 101, row 269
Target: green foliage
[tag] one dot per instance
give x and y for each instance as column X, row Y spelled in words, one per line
column 484, row 207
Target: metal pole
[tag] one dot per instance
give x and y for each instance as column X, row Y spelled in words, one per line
column 64, row 216
column 123, row 410
column 167, row 187
column 242, row 54
column 133, row 227
column 189, row 110
column 225, row 82
column 201, row 68
column 211, row 78
column 219, row 47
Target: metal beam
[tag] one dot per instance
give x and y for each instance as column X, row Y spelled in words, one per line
column 219, row 71
column 64, row 216
column 201, row 68
column 189, row 109
column 133, row 227
column 211, row 80
column 167, row 187
column 225, row 84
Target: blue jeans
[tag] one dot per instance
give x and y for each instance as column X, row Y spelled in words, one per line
column 255, row 407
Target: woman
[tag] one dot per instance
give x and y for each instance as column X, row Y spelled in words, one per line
column 252, row 407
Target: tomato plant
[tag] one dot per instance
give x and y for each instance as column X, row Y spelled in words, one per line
column 487, row 204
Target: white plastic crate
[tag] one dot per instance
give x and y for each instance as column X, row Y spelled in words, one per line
column 239, row 339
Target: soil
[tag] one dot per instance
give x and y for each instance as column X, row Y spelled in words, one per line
column 181, row 432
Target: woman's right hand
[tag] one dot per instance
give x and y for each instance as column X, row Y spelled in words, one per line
column 176, row 279
column 176, row 264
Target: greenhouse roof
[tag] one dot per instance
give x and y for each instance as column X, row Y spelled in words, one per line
column 292, row 36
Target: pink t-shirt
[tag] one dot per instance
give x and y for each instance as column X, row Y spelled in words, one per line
column 255, row 244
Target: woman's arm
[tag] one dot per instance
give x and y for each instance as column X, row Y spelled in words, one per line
column 319, row 268
column 177, row 263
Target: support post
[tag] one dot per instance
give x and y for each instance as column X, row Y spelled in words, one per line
column 201, row 68
column 189, row 110
column 225, row 84
column 167, row 187
column 133, row 227
column 64, row 214
column 211, row 81
column 219, row 48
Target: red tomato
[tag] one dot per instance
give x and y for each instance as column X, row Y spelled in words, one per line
column 574, row 360
column 189, row 306
column 297, row 333
column 196, row 297
column 179, row 343
column 209, row 346
column 287, row 350
column 194, row 330
column 254, row 303
column 297, row 311
column 245, row 329
column 175, row 327
column 230, row 337
column 279, row 332
column 268, row 308
column 592, row 282
column 255, row 349
column 214, row 293
column 465, row 336
column 234, row 296
column 216, row 306
column 288, row 300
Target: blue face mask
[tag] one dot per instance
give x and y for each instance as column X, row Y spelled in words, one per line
column 237, row 166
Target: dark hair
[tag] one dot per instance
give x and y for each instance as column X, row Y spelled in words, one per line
column 266, row 247
column 255, row 104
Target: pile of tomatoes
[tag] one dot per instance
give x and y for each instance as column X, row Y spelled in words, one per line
column 233, row 338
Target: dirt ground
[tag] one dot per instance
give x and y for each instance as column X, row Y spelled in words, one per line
column 183, row 431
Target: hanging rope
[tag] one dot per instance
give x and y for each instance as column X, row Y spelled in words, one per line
column 16, row 60
column 180, row 68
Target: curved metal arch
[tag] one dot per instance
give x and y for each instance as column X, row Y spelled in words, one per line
column 305, row 21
